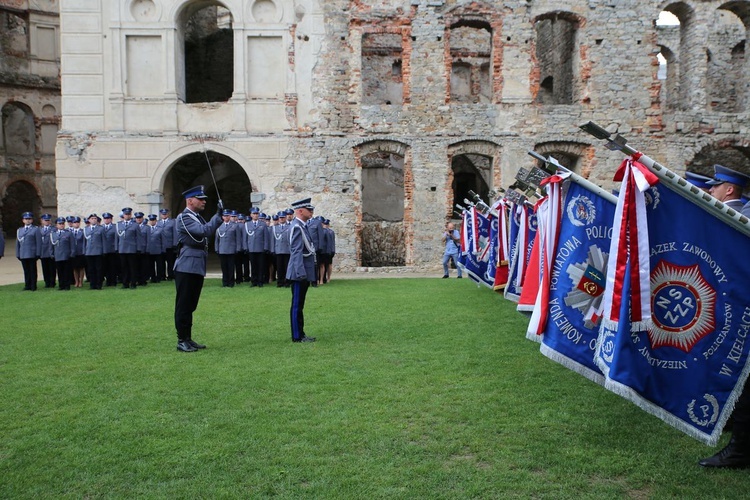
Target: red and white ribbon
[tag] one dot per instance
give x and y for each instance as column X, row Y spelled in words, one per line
column 630, row 245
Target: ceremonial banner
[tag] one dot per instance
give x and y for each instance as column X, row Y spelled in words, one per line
column 522, row 223
column 478, row 254
column 501, row 252
column 549, row 215
column 577, row 281
column 687, row 362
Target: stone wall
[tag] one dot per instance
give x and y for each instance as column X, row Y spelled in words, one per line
column 29, row 108
column 427, row 81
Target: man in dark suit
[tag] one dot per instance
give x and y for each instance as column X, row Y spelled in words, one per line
column 190, row 267
column 301, row 269
column 28, row 250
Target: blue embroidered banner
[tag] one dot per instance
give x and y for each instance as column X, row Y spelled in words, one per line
column 478, row 235
column 689, row 365
column 577, row 282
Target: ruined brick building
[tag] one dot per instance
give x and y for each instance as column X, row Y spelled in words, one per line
column 385, row 112
column 29, row 107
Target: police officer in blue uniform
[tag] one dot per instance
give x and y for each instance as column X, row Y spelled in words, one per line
column 225, row 245
column 727, row 186
column 154, row 249
column 110, row 259
column 28, row 250
column 63, row 251
column 47, row 261
column 255, row 245
column 301, row 270
column 93, row 237
column 166, row 271
column 127, row 232
column 193, row 233
column 280, row 248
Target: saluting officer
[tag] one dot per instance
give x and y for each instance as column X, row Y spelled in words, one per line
column 93, row 236
column 64, row 251
column 48, row 262
column 193, row 233
column 127, row 246
column 28, row 250
column 225, row 245
column 301, row 270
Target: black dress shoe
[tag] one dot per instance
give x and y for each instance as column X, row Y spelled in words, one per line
column 196, row 344
column 734, row 455
column 185, row 346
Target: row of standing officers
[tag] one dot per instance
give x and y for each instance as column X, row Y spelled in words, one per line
column 254, row 250
column 137, row 249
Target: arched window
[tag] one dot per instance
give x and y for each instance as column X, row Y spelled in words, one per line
column 19, row 131
column 471, row 53
column 556, row 55
column 385, row 233
column 205, row 32
column 382, row 79
column 725, row 76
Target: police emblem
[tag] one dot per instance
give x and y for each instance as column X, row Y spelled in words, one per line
column 589, row 278
column 652, row 196
column 709, row 410
column 682, row 304
column 581, row 211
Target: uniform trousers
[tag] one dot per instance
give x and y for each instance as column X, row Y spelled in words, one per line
column 189, row 287
column 110, row 265
column 129, row 269
column 171, row 256
column 155, row 266
column 296, row 313
column 94, row 271
column 282, row 262
column 257, row 266
column 227, row 269
column 48, row 271
column 64, row 273
column 239, row 266
column 30, row 274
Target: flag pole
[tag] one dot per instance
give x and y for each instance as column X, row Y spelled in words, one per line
column 673, row 181
column 574, row 177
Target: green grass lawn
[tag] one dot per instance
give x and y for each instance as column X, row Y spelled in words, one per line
column 416, row 388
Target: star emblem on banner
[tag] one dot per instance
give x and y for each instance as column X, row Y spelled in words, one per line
column 589, row 278
column 683, row 306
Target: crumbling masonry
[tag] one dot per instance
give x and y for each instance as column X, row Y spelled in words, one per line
column 385, row 112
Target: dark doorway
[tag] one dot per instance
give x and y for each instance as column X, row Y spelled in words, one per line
column 192, row 170
column 20, row 197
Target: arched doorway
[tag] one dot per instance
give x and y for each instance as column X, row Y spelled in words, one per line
column 20, row 197
column 192, row 169
column 471, row 172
